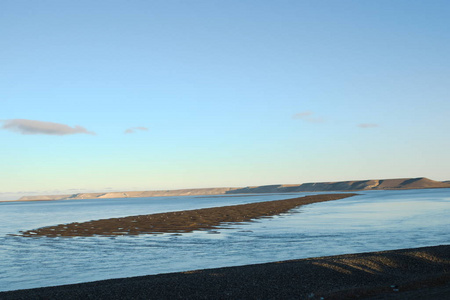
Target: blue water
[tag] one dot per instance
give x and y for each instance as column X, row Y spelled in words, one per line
column 372, row 221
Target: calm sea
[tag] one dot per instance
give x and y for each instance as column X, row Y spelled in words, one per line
column 372, row 221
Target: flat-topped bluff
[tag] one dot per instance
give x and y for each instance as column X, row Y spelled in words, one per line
column 357, row 185
column 134, row 194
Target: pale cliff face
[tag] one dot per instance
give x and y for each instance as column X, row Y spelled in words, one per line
column 183, row 192
column 379, row 184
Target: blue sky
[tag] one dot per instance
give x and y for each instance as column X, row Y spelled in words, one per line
column 220, row 93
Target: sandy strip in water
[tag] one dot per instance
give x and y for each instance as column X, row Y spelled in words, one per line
column 180, row 221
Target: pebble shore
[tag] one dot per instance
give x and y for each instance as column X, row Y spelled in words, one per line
column 420, row 273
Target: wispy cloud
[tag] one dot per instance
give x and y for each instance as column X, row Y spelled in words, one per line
column 302, row 115
column 367, row 125
column 307, row 116
column 24, row 126
column 133, row 129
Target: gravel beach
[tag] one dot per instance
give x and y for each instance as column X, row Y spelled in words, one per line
column 420, row 273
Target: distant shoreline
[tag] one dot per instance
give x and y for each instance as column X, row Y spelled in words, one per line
column 340, row 186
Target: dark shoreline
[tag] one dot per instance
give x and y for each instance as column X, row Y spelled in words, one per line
column 180, row 221
column 418, row 273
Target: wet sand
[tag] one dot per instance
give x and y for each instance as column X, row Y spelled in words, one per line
column 420, row 273
column 180, row 221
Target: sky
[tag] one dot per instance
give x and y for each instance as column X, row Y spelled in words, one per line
column 100, row 96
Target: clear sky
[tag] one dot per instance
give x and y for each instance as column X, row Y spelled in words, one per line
column 147, row 95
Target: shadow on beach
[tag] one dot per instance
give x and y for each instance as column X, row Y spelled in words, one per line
column 421, row 273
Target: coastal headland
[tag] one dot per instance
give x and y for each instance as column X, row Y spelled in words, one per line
column 419, row 273
column 180, row 221
column 355, row 185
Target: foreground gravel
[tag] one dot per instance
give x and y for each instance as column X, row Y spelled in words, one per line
column 420, row 273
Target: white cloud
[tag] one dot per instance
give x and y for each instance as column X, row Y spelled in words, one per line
column 367, row 125
column 133, row 129
column 302, row 115
column 307, row 116
column 24, row 126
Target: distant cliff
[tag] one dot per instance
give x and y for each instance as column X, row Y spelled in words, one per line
column 383, row 184
column 163, row 193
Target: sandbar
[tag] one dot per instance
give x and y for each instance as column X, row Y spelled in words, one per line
column 179, row 221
